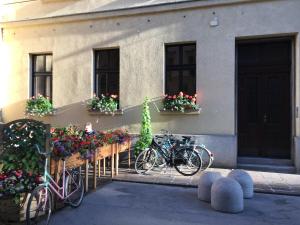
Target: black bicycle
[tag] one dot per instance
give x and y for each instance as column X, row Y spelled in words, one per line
column 184, row 158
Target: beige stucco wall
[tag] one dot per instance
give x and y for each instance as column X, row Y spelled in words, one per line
column 141, row 46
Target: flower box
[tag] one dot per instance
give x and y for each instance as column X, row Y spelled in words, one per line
column 97, row 113
column 186, row 112
column 73, row 161
column 104, row 151
column 124, row 146
column 12, row 212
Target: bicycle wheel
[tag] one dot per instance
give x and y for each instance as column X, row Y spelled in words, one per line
column 206, row 157
column 145, row 161
column 39, row 206
column 74, row 188
column 187, row 161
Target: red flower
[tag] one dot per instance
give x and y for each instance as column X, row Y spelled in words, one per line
column 190, row 97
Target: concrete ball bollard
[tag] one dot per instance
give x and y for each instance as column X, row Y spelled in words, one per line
column 205, row 182
column 227, row 196
column 244, row 180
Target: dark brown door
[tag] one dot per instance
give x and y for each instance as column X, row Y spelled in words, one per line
column 264, row 102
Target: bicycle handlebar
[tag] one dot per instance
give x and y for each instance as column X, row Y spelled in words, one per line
column 39, row 150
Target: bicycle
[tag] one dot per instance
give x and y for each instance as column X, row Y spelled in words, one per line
column 205, row 154
column 165, row 142
column 70, row 190
column 184, row 158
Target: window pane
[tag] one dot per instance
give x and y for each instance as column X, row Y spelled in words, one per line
column 102, row 84
column 189, row 82
column 39, row 63
column 189, row 54
column 172, row 82
column 48, row 87
column 114, row 60
column 39, row 85
column 172, row 55
column 103, row 58
column 107, row 71
column 49, row 63
column 113, row 83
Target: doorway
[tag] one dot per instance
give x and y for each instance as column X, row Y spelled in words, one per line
column 264, row 98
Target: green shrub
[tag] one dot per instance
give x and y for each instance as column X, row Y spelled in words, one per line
column 146, row 131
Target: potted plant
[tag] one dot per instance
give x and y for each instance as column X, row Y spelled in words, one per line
column 39, row 106
column 180, row 103
column 107, row 104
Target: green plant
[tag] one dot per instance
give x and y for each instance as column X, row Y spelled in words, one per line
column 39, row 106
column 146, row 131
column 104, row 103
column 21, row 163
column 180, row 102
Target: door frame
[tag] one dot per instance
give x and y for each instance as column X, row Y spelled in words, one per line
column 293, row 107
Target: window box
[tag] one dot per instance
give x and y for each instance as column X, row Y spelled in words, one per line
column 186, row 112
column 119, row 112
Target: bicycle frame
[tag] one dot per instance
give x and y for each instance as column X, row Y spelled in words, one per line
column 50, row 183
column 168, row 158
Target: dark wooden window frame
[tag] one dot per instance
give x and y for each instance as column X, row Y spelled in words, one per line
column 96, row 88
column 180, row 67
column 44, row 73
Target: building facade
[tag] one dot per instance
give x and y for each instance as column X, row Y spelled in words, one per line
column 241, row 57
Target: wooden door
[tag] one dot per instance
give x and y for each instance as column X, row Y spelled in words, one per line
column 264, row 102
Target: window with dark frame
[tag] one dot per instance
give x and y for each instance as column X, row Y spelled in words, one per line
column 107, row 72
column 180, row 68
column 41, row 75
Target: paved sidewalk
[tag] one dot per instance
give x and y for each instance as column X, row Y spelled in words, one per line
column 264, row 182
column 123, row 203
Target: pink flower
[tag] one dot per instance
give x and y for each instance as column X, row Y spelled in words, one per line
column 195, row 95
column 181, row 94
column 193, row 99
column 174, row 96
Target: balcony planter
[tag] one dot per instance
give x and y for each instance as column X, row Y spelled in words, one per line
column 186, row 112
column 118, row 112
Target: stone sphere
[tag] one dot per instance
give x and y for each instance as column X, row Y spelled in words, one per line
column 244, row 180
column 206, row 180
column 227, row 196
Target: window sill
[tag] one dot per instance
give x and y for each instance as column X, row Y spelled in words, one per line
column 187, row 112
column 53, row 113
column 98, row 113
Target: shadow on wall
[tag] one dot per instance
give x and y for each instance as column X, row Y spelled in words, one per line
column 77, row 114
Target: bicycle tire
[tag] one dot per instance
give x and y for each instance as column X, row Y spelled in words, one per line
column 187, row 161
column 145, row 161
column 39, row 206
column 73, row 181
column 205, row 155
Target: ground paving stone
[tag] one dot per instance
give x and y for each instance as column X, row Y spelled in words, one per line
column 266, row 182
column 123, row 203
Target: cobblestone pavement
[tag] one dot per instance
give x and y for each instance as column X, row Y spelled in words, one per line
column 265, row 182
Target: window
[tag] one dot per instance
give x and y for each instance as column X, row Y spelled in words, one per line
column 107, row 72
column 42, row 75
column 180, row 69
